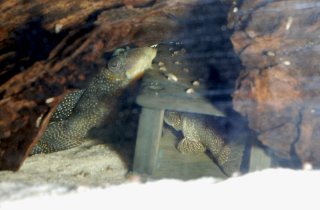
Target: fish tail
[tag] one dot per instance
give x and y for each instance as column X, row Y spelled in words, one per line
column 230, row 158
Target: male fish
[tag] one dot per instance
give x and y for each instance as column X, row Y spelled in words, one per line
column 84, row 109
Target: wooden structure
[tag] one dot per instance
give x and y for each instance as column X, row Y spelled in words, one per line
column 155, row 154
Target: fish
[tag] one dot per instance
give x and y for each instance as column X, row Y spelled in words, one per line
column 84, row 109
column 199, row 136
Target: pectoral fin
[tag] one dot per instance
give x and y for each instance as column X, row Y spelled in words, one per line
column 187, row 146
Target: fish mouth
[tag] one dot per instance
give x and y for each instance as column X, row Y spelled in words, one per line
column 141, row 60
column 133, row 75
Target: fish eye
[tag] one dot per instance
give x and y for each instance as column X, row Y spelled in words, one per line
column 115, row 64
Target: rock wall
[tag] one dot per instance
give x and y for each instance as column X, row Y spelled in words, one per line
column 278, row 91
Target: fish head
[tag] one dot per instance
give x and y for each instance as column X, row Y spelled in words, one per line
column 130, row 64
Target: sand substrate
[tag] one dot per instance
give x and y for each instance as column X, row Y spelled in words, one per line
column 89, row 164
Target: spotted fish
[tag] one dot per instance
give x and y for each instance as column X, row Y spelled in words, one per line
column 84, row 109
column 64, row 109
column 200, row 135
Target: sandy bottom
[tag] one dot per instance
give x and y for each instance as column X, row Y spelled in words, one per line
column 89, row 164
column 268, row 189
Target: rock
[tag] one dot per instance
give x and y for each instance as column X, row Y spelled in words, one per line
column 279, row 90
column 138, row 3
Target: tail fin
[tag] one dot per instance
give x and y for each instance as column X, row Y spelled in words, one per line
column 230, row 158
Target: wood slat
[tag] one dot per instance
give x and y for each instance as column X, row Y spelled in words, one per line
column 148, row 140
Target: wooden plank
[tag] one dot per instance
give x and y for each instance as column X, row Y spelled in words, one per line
column 258, row 159
column 179, row 104
column 148, row 140
column 160, row 93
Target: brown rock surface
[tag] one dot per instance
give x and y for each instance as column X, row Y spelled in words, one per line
column 278, row 92
column 50, row 47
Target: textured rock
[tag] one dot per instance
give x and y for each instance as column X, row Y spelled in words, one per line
column 278, row 92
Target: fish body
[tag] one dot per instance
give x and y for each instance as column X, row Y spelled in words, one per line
column 84, row 109
column 199, row 135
